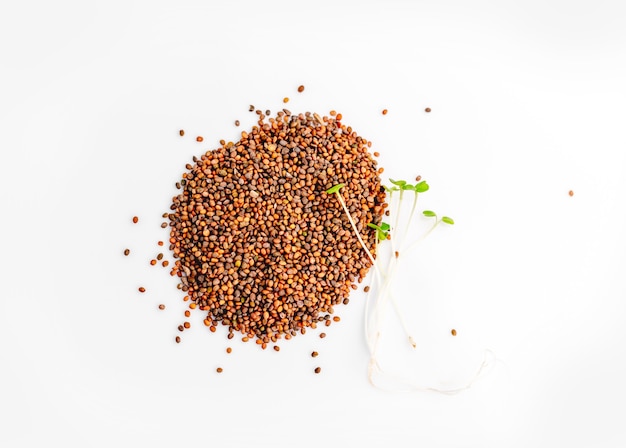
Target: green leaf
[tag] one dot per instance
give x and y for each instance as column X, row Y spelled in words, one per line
column 335, row 189
column 382, row 236
column 421, row 187
column 384, row 226
column 429, row 213
column 407, row 187
column 447, row 220
column 399, row 183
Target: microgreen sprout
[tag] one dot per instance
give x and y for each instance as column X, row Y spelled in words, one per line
column 385, row 267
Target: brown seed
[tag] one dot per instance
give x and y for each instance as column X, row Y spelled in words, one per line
column 135, row 219
column 165, row 263
column 160, row 243
column 161, row 307
column 251, row 108
column 229, row 350
column 318, row 370
column 178, row 339
column 199, row 138
column 181, row 328
column 163, row 225
column 285, row 100
column 152, row 262
column 237, row 123
column 366, row 289
column 219, row 370
column 384, row 111
column 276, row 348
column 301, row 89
column 418, row 178
column 160, row 256
column 336, row 318
column 181, row 132
column 427, row 109
column 453, row 332
column 571, row 193
column 314, row 354
column 268, row 112
column 323, row 335
column 142, row 289
column 186, row 325
column 376, row 154
column 339, row 117
column 187, row 313
column 126, row 252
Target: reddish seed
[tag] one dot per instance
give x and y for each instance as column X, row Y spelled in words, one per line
column 178, row 339
column 276, row 348
column 318, row 370
column 427, row 109
column 135, row 219
column 571, row 193
column 142, row 289
column 301, row 89
column 126, row 252
column 187, row 313
column 186, row 325
column 199, row 138
column 165, row 263
column 229, row 350
column 161, row 307
column 160, row 243
column 181, row 328
column 219, row 370
column 152, row 262
column 336, row 318
column 384, row 111
column 339, row 117
column 314, row 354
column 323, row 335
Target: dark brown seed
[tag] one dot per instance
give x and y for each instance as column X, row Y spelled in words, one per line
column 160, row 243
column 163, row 225
column 384, row 111
column 276, row 348
column 126, row 252
column 427, row 109
column 152, row 262
column 178, row 339
column 199, row 138
column 251, row 109
column 219, row 370
column 135, row 219
column 181, row 328
column 571, row 193
column 160, row 256
column 142, row 289
column 318, row 370
column 314, row 354
column 301, row 89
column 366, row 289
column 237, row 123
column 181, row 132
column 268, row 112
column 453, row 332
column 323, row 335
column 161, row 307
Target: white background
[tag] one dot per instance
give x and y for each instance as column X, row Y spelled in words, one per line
column 528, row 102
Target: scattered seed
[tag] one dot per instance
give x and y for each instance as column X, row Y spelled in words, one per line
column 418, row 178
column 366, row 289
column 339, row 117
column 219, row 370
column 318, row 370
column 376, row 154
column 285, row 100
column 163, row 225
column 301, row 89
column 453, row 332
column 571, row 193
column 181, row 132
column 165, row 263
column 199, row 138
column 142, row 289
column 314, row 354
column 427, row 109
column 126, row 252
column 251, row 108
column 135, row 219
column 160, row 243
column 384, row 111
column 276, row 348
column 161, row 307
column 187, row 313
column 323, row 335
column 186, row 325
column 237, row 123
column 178, row 339
column 229, row 350
column 181, row 328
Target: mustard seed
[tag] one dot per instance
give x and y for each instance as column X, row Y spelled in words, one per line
column 229, row 350
column 323, row 335
column 384, row 111
column 285, row 100
column 366, row 289
column 237, row 123
column 276, row 348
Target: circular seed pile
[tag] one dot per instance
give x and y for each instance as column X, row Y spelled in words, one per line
column 259, row 244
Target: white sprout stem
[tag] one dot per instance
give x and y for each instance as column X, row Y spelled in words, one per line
column 408, row 223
